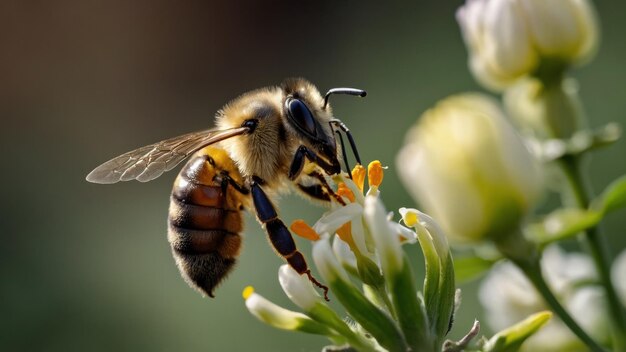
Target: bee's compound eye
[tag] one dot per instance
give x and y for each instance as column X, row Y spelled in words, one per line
column 301, row 115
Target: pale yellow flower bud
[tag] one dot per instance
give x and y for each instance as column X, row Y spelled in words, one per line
column 469, row 169
column 509, row 39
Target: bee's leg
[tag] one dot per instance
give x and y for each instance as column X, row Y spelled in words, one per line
column 298, row 163
column 227, row 180
column 279, row 235
column 327, row 187
column 315, row 191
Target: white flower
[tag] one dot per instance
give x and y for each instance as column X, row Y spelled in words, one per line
column 345, row 255
column 298, row 288
column 469, row 169
column 508, row 39
column 387, row 245
column 508, row 297
column 326, row 262
column 356, row 215
column 369, row 275
column 618, row 274
column 280, row 317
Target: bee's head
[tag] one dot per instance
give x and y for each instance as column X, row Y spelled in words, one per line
column 311, row 116
column 304, row 110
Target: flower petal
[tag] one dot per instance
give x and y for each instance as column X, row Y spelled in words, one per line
column 298, row 288
column 282, row 318
column 334, row 219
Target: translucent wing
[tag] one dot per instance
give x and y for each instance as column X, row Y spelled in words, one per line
column 149, row 162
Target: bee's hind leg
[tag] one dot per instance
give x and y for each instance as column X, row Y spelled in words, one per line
column 278, row 233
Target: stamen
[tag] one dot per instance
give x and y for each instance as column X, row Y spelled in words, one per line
column 358, row 176
column 247, row 292
column 375, row 173
column 302, row 229
column 344, row 191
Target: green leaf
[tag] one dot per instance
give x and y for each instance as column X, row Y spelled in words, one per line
column 581, row 142
column 613, row 197
column 511, row 339
column 378, row 323
column 567, row 222
column 326, row 316
column 410, row 309
column 587, row 140
column 368, row 271
column 370, row 317
column 439, row 284
column 433, row 273
column 471, row 267
column 447, row 290
column 561, row 224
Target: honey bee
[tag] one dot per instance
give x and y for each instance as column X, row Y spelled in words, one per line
column 265, row 141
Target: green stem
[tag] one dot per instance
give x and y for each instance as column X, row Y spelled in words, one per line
column 597, row 249
column 381, row 294
column 532, row 270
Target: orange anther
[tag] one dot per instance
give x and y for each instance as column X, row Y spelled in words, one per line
column 358, row 176
column 302, row 229
column 375, row 173
column 344, row 191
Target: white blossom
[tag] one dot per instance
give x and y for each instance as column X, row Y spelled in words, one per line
column 508, row 297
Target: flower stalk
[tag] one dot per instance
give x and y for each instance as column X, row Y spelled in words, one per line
column 530, row 266
column 597, row 249
column 562, row 107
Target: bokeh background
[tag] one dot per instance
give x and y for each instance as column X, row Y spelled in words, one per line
column 88, row 267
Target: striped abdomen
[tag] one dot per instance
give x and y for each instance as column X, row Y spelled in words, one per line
column 205, row 219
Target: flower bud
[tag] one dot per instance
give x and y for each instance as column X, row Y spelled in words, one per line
column 551, row 111
column 298, row 288
column 469, row 169
column 280, row 317
column 510, row 39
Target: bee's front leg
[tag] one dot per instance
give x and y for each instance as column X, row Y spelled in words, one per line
column 278, row 233
column 298, row 163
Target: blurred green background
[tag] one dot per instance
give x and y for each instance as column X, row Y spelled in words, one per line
column 88, row 267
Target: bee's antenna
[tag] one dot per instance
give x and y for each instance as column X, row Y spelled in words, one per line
column 343, row 151
column 350, row 91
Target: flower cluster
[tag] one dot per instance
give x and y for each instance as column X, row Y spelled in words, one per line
column 360, row 243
